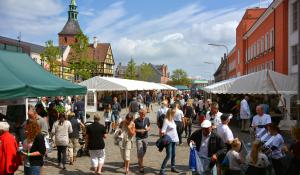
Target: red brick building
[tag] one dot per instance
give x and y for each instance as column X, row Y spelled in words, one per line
column 261, row 41
column 267, row 40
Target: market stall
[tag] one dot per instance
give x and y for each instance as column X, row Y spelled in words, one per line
column 111, row 84
column 21, row 77
column 262, row 82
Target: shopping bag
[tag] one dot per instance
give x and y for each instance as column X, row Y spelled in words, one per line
column 192, row 159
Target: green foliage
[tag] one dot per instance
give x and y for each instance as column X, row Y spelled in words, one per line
column 60, row 109
column 80, row 61
column 146, row 72
column 50, row 55
column 131, row 72
column 179, row 77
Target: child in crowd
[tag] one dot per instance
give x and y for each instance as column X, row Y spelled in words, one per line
column 234, row 157
column 276, row 147
column 107, row 117
column 256, row 160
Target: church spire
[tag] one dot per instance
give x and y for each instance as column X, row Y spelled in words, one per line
column 73, row 13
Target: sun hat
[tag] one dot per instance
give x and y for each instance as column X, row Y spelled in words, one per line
column 206, row 124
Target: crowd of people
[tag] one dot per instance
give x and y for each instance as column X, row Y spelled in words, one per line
column 216, row 149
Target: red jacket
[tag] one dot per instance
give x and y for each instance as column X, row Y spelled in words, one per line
column 9, row 158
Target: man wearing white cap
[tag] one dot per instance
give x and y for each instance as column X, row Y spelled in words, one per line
column 208, row 143
column 224, row 131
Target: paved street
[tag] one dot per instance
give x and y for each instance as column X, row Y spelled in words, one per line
column 113, row 163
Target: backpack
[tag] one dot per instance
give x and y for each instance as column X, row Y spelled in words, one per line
column 160, row 120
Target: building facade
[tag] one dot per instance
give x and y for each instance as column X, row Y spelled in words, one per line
column 293, row 37
column 33, row 50
column 265, row 39
column 222, row 70
column 266, row 42
column 100, row 53
column 232, row 62
column 249, row 18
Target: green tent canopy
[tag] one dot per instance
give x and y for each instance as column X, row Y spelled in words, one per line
column 20, row 76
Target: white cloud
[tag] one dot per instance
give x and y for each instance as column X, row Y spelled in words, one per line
column 35, row 19
column 178, row 39
column 106, row 17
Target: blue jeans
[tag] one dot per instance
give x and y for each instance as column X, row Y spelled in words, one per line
column 171, row 153
column 32, row 170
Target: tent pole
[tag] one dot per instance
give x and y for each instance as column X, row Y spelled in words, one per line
column 85, row 105
column 26, row 108
column 126, row 99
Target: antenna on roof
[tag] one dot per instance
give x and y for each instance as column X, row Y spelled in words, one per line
column 19, row 42
column 19, row 37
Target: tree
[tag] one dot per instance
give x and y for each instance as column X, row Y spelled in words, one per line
column 50, row 55
column 146, row 72
column 179, row 77
column 79, row 60
column 130, row 72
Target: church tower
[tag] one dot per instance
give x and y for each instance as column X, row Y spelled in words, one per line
column 71, row 29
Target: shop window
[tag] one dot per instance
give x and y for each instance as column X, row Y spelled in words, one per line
column 295, row 16
column 295, row 55
column 90, row 99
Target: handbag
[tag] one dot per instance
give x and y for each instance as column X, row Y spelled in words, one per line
column 192, row 160
column 118, row 136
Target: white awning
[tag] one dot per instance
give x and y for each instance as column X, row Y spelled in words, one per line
column 116, row 84
column 262, row 82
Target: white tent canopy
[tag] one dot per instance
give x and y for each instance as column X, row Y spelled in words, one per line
column 262, row 82
column 116, row 84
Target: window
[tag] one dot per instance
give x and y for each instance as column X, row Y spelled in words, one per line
column 295, row 16
column 267, row 41
column 238, row 57
column 262, row 44
column 272, row 38
column 272, row 65
column 90, row 99
column 295, row 55
column 255, row 53
column 66, row 39
column 258, row 47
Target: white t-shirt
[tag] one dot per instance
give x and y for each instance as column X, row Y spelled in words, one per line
column 169, row 128
column 234, row 160
column 225, row 133
column 277, row 142
column 261, row 120
column 244, row 110
column 262, row 160
column 204, row 146
column 215, row 119
column 178, row 115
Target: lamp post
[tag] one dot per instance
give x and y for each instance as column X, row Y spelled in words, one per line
column 220, row 45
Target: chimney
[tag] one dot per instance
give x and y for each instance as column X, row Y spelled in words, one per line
column 95, row 42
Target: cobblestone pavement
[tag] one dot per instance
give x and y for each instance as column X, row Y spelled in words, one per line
column 113, row 162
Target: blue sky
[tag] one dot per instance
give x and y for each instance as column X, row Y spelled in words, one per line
column 172, row 32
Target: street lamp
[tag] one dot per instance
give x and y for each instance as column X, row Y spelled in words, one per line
column 220, row 45
column 211, row 63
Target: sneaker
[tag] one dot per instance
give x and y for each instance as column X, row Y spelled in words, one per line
column 174, row 170
column 141, row 170
column 162, row 172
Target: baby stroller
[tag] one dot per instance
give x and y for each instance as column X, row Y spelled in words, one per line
column 82, row 151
